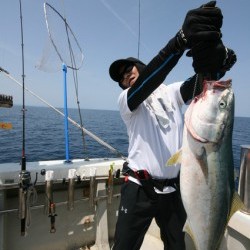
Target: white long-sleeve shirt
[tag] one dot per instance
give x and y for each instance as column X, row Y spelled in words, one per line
column 155, row 130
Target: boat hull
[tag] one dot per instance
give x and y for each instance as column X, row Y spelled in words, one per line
column 90, row 224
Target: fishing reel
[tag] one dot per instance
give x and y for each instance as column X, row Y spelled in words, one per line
column 24, row 179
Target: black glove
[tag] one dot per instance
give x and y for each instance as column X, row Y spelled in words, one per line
column 201, row 24
column 212, row 57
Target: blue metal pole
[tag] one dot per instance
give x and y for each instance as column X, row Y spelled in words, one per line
column 64, row 68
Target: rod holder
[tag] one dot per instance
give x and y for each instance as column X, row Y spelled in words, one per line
column 50, row 206
column 71, row 188
column 92, row 186
column 49, row 175
column 110, row 184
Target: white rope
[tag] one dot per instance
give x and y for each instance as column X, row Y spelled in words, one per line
column 115, row 151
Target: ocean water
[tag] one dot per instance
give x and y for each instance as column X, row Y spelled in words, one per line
column 45, row 140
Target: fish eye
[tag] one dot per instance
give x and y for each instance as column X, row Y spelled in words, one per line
column 222, row 104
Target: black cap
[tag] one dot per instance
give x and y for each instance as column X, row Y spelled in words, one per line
column 114, row 69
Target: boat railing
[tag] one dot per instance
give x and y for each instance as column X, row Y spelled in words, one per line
column 244, row 179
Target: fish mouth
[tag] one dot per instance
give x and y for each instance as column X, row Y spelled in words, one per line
column 216, row 85
column 221, row 84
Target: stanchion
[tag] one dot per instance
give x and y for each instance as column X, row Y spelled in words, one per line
column 92, row 184
column 71, row 189
column 50, row 207
column 244, row 180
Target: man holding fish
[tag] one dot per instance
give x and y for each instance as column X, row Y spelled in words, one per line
column 153, row 117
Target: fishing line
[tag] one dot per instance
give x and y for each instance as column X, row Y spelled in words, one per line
column 139, row 29
column 108, row 7
column 198, row 85
column 93, row 136
column 125, row 24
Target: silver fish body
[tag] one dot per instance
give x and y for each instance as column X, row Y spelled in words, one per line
column 207, row 172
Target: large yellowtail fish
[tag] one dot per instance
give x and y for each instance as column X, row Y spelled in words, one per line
column 207, row 170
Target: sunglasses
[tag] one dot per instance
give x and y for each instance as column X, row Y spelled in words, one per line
column 124, row 73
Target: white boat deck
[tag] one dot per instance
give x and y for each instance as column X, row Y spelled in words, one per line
column 151, row 242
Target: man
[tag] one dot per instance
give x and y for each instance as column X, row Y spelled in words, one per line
column 153, row 117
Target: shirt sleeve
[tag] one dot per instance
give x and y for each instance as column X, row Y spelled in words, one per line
column 153, row 75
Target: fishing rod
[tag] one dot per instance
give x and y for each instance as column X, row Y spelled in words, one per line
column 23, row 165
column 24, row 176
column 26, row 188
column 93, row 136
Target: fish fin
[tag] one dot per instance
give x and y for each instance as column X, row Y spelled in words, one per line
column 189, row 231
column 237, row 204
column 201, row 157
column 175, row 158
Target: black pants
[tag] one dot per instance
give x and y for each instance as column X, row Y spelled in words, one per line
column 136, row 212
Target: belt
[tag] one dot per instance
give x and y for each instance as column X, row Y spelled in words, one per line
column 160, row 184
column 143, row 175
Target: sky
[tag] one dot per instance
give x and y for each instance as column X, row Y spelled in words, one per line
column 106, row 30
